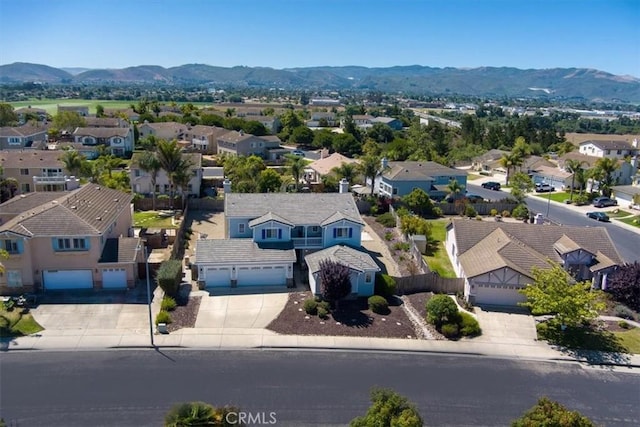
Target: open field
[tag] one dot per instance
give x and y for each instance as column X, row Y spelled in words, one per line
column 51, row 105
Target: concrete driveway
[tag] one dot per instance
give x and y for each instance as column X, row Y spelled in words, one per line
column 241, row 310
column 85, row 317
column 503, row 327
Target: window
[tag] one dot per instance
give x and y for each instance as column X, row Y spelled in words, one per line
column 241, row 228
column 607, row 151
column 395, row 191
column 24, row 171
column 367, row 277
column 11, row 246
column 315, row 228
column 619, row 152
column 14, row 141
column 342, row 232
column 25, row 188
column 272, row 233
column 67, row 244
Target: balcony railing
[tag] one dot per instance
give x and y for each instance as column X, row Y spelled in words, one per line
column 307, row 242
column 49, row 179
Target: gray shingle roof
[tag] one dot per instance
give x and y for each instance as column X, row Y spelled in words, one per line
column 102, row 132
column 485, row 246
column 121, row 250
column 270, row 216
column 245, row 251
column 30, row 159
column 25, row 202
column 345, row 255
column 309, row 208
column 609, row 145
column 417, row 171
column 89, row 210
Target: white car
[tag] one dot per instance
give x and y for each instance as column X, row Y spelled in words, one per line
column 298, row 153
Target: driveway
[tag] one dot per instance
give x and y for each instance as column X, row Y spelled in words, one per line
column 503, row 327
column 237, row 309
column 86, row 317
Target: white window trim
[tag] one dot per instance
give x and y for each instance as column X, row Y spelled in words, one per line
column 241, row 228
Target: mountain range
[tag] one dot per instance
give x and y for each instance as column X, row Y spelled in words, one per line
column 494, row 82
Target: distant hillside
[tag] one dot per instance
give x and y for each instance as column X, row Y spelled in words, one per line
column 583, row 83
column 75, row 70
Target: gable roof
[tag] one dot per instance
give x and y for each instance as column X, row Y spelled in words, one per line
column 26, row 202
column 418, row 171
column 235, row 137
column 105, row 132
column 345, row 255
column 297, row 208
column 269, row 216
column 491, row 155
column 22, row 131
column 609, row 144
column 120, row 250
column 112, row 122
column 324, row 166
column 194, row 158
column 11, row 159
column 485, row 246
column 89, row 210
column 245, row 251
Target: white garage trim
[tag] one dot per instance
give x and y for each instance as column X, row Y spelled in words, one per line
column 262, row 275
column 498, row 295
column 217, row 276
column 67, row 279
column 114, row 278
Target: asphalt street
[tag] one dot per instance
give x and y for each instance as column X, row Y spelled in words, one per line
column 302, row 388
column 628, row 244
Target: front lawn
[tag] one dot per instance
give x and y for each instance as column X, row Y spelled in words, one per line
column 618, row 213
column 634, row 221
column 609, row 337
column 436, row 256
column 16, row 324
column 153, row 219
column 629, row 339
column 559, row 196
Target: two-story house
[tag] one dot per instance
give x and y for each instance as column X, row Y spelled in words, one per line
column 610, row 149
column 27, row 113
column 141, row 180
column 36, row 170
column 321, row 119
column 106, row 122
column 82, row 110
column 392, row 122
column 495, row 259
column 25, row 136
column 76, row 241
column 267, row 232
column 203, row 138
column 119, row 141
column 238, row 143
column 398, row 179
column 163, row 130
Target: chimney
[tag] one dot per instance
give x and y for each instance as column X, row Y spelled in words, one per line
column 324, row 153
column 226, row 185
column 384, row 163
column 344, row 185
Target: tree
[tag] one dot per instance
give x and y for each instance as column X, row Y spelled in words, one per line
column 296, row 167
column 369, row 167
column 150, row 164
column 381, row 133
column 414, row 225
column 73, row 161
column 441, row 309
column 389, row 409
column 270, row 181
column 170, row 158
column 68, row 121
column 8, row 188
column 573, row 166
column 99, row 110
column 335, row 281
column 555, row 292
column 603, row 173
column 181, row 178
column 510, row 161
column 197, row 414
column 419, row 202
column 624, row 285
column 301, row 135
column 347, row 171
column 550, row 413
column 8, row 117
column 521, row 184
column 455, row 189
column 347, row 144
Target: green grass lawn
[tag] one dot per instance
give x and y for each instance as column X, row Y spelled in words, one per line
column 51, row 105
column 15, row 324
column 560, row 196
column 620, row 214
column 630, row 340
column 634, row 220
column 152, row 219
column 437, row 258
column 472, row 176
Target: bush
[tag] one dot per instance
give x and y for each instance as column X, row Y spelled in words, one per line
column 469, row 326
column 581, row 199
column 163, row 317
column 493, row 212
column 324, row 305
column 310, row 306
column 168, row 304
column 388, row 236
column 449, row 330
column 623, row 311
column 401, row 246
column 506, row 214
column 169, row 276
column 385, row 286
column 387, row 220
column 623, row 324
column 441, row 309
column 323, row 313
column 520, row 212
column 470, row 211
column 378, row 304
column 437, row 212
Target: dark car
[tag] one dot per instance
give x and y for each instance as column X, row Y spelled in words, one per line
column 602, row 202
column 473, row 198
column 598, row 216
column 491, row 185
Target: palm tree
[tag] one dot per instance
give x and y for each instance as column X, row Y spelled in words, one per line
column 573, row 166
column 369, row 168
column 604, row 168
column 181, row 178
column 509, row 161
column 455, row 189
column 149, row 163
column 296, row 167
column 347, row 171
column 170, row 158
column 73, row 161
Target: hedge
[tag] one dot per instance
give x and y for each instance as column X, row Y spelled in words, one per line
column 169, row 276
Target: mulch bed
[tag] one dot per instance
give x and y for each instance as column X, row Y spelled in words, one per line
column 401, row 258
column 185, row 314
column 352, row 319
column 419, row 301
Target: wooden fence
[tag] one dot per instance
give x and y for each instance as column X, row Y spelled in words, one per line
column 146, row 204
column 206, row 204
column 482, row 208
column 428, row 282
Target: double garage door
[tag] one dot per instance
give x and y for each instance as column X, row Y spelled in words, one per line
column 492, row 295
column 247, row 276
column 67, row 279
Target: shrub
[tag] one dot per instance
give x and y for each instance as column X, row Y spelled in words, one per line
column 506, row 214
column 493, row 212
column 310, row 306
column 520, row 212
column 169, row 276
column 623, row 324
column 478, row 218
column 441, row 309
column 623, row 311
column 168, row 303
column 387, row 220
column 469, row 326
column 322, row 313
column 163, row 197
column 325, row 305
column 401, row 246
column 449, row 330
column 581, row 199
column 470, row 211
column 388, row 236
column 385, row 286
column 163, row 317
column 378, row 304
column 437, row 212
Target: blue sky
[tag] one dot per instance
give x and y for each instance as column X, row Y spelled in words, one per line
column 601, row 34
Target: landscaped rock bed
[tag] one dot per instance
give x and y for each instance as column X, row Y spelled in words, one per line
column 185, row 314
column 400, row 257
column 353, row 318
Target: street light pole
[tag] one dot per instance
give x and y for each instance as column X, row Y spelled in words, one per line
column 146, row 262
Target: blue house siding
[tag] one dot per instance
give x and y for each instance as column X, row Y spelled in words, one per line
column 402, row 188
column 283, row 233
column 342, row 233
column 234, row 228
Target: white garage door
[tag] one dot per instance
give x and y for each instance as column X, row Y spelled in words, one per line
column 67, row 279
column 114, row 278
column 219, row 276
column 261, row 276
column 498, row 296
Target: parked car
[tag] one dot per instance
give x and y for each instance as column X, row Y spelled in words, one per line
column 491, row 185
column 474, row 198
column 298, row 153
column 544, row 188
column 601, row 202
column 598, row 216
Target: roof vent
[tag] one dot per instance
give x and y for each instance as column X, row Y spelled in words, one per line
column 97, row 188
column 99, row 218
column 116, row 200
column 74, row 207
